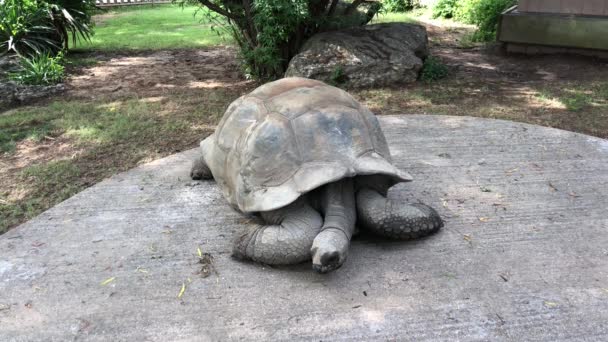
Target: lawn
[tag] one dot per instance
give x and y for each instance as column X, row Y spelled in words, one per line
column 154, row 82
column 158, row 27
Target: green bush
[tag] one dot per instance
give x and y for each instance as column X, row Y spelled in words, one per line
column 40, row 69
column 400, row 5
column 445, row 9
column 29, row 27
column 433, row 70
column 486, row 15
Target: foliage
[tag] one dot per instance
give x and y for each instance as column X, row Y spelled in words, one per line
column 71, row 19
column 399, row 6
column 433, row 70
column 485, row 14
column 23, row 29
column 337, row 76
column 459, row 10
column 270, row 32
column 30, row 27
column 41, row 69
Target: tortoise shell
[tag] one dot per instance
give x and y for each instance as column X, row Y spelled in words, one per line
column 291, row 136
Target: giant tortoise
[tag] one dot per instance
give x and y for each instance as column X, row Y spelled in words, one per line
column 310, row 162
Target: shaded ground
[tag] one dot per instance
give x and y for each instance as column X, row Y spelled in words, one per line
column 122, row 109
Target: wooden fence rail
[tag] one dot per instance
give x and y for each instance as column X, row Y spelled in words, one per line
column 108, row 3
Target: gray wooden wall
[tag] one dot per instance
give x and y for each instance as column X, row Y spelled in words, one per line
column 586, row 7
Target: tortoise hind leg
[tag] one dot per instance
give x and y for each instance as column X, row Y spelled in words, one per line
column 200, row 169
column 395, row 220
column 285, row 239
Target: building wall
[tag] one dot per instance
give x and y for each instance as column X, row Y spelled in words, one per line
column 585, row 7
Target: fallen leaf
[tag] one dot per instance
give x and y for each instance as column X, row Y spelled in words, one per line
column 553, row 188
column 550, row 304
column 181, row 291
column 199, row 252
column 142, row 270
column 484, row 219
column 107, row 281
column 467, row 237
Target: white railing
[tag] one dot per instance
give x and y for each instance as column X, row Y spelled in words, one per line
column 105, row 3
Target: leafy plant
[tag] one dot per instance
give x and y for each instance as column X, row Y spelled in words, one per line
column 337, row 76
column 30, row 27
column 23, row 28
column 433, row 69
column 445, row 9
column 40, row 69
column 400, row 5
column 485, row 14
column 270, row 32
column 71, row 19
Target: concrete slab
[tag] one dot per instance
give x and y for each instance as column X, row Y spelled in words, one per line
column 523, row 256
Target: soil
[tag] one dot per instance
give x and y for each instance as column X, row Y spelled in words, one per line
column 156, row 73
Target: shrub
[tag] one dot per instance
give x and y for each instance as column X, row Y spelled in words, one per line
column 40, row 69
column 30, row 27
column 485, row 15
column 433, row 69
column 270, row 32
column 23, row 29
column 445, row 9
column 400, row 5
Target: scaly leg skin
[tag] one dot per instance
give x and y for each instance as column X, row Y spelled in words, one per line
column 200, row 170
column 395, row 220
column 285, row 240
column 330, row 247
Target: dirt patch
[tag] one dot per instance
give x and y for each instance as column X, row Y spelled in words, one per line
column 157, row 73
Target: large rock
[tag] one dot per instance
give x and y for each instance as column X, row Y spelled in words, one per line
column 367, row 56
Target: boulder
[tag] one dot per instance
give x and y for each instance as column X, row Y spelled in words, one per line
column 366, row 56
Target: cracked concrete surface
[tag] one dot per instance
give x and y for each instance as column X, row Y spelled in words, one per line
column 523, row 256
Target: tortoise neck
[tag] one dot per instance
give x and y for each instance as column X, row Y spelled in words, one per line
column 337, row 202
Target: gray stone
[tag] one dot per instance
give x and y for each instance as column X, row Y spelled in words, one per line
column 371, row 55
column 523, row 255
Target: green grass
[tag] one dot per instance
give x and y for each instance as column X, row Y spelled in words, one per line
column 101, row 138
column 148, row 28
column 407, row 17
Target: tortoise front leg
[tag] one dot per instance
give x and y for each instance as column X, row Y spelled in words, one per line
column 395, row 220
column 330, row 247
column 285, row 239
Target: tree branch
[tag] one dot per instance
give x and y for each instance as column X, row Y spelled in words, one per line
column 332, row 8
column 218, row 9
